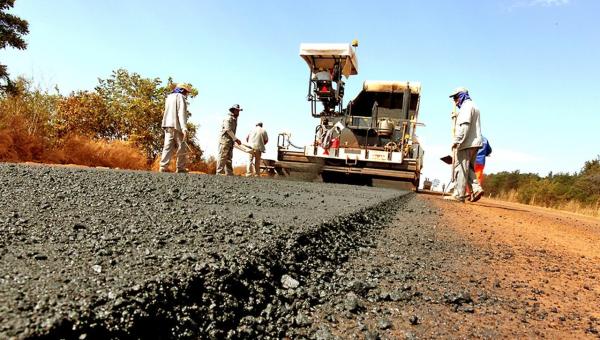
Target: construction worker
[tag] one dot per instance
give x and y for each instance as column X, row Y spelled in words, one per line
column 257, row 138
column 323, row 135
column 226, row 139
column 174, row 124
column 466, row 142
column 323, row 75
column 482, row 153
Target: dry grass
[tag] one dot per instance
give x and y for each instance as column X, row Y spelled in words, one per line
column 571, row 206
column 578, row 208
column 116, row 154
column 239, row 170
column 18, row 145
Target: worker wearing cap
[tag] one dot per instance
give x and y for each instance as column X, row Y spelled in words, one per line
column 257, row 138
column 226, row 139
column 174, row 124
column 466, row 142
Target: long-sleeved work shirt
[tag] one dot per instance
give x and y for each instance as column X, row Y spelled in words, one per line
column 175, row 115
column 468, row 127
column 228, row 129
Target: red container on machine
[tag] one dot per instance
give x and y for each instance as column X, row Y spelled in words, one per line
column 335, row 142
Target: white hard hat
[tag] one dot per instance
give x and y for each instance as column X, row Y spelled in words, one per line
column 459, row 90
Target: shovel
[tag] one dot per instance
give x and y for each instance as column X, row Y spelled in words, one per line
column 446, row 160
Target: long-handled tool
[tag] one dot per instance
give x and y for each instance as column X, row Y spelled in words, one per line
column 242, row 147
column 453, row 116
column 453, row 174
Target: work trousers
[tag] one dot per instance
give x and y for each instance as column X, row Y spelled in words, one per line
column 253, row 166
column 465, row 176
column 224, row 166
column 479, row 173
column 174, row 143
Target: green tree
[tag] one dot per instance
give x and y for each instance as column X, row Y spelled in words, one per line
column 554, row 190
column 586, row 187
column 34, row 106
column 83, row 113
column 591, row 167
column 135, row 106
column 12, row 30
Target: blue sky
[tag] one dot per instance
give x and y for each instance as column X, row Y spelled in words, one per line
column 531, row 65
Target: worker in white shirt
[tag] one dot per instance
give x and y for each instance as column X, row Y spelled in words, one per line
column 175, row 126
column 466, row 142
column 257, row 138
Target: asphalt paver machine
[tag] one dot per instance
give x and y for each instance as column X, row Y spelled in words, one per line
column 371, row 140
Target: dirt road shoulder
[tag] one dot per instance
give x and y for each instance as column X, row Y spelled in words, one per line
column 486, row 270
column 546, row 261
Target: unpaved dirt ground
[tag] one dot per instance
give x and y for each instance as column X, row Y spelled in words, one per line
column 547, row 264
column 484, row 270
column 88, row 254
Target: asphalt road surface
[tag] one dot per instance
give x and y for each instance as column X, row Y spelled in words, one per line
column 91, row 253
column 88, row 254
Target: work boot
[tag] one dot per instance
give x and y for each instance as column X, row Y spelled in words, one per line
column 477, row 196
column 181, row 171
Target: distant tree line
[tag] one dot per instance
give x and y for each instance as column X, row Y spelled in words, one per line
column 554, row 190
column 124, row 109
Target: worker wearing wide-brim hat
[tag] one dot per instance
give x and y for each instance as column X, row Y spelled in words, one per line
column 174, row 124
column 466, row 141
column 226, row 139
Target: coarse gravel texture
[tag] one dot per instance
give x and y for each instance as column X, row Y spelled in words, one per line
column 489, row 270
column 87, row 253
column 405, row 285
